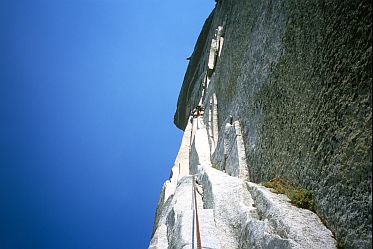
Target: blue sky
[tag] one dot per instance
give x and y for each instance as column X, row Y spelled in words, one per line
column 88, row 89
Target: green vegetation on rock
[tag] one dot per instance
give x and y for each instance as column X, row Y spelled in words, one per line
column 298, row 77
column 298, row 196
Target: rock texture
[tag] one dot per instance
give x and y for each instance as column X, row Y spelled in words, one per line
column 286, row 89
column 234, row 213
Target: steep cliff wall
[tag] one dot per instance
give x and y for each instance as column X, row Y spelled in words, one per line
column 286, row 87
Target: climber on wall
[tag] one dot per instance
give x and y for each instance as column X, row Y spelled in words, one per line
column 198, row 111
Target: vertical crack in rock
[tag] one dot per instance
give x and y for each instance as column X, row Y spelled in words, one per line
column 228, row 214
column 274, row 88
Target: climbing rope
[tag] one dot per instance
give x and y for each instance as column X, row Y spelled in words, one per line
column 193, row 218
column 199, row 245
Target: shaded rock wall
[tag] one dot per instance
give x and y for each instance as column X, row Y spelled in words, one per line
column 297, row 75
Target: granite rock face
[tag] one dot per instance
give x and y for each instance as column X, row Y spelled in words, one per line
column 286, row 90
column 233, row 212
column 297, row 77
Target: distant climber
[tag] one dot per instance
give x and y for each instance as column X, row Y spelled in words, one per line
column 198, row 111
column 188, row 59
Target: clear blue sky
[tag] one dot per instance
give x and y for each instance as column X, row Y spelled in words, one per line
column 88, row 89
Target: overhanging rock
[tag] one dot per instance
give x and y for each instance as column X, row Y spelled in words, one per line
column 285, row 89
